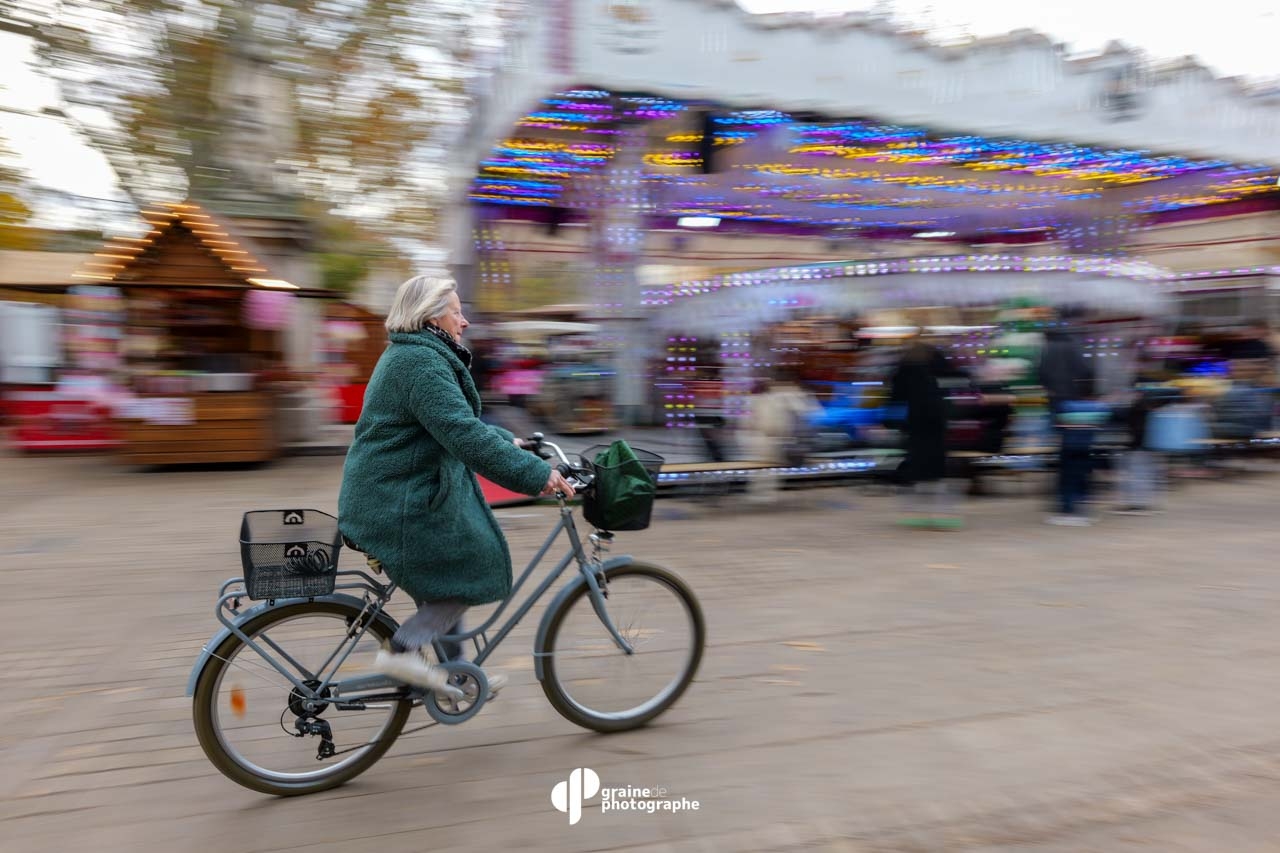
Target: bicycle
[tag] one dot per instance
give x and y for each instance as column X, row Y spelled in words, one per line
column 351, row 719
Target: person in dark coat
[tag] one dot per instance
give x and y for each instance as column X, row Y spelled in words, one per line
column 916, row 386
column 1068, row 380
column 409, row 498
column 1253, row 344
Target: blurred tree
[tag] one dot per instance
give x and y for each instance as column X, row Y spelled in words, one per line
column 341, row 272
column 345, row 253
column 349, row 252
column 14, row 212
column 159, row 86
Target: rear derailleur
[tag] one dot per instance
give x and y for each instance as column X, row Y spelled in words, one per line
column 312, row 725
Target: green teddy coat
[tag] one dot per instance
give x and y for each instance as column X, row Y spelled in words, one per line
column 409, row 497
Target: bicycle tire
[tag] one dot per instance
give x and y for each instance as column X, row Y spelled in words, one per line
column 573, row 711
column 205, row 698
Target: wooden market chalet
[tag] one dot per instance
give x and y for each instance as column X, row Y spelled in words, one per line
column 201, row 351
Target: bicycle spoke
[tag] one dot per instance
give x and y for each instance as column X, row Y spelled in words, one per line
column 257, row 670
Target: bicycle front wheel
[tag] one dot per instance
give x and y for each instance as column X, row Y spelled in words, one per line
column 597, row 685
column 246, row 712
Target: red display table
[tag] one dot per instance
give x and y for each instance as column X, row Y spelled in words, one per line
column 43, row 420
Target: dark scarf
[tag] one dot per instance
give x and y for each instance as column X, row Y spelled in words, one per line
column 458, row 349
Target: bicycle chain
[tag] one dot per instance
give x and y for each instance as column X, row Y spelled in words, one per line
column 402, row 734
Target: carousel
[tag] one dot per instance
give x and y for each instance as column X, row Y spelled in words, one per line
column 689, row 133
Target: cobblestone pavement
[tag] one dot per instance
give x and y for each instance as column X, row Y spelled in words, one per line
column 1009, row 687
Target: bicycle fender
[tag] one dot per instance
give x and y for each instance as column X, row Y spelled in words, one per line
column 206, row 654
column 569, row 588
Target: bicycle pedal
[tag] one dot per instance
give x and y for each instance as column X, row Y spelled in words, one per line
column 451, row 691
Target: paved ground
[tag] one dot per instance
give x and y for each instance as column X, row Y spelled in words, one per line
column 1012, row 687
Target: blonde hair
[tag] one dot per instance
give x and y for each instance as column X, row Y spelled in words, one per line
column 418, row 300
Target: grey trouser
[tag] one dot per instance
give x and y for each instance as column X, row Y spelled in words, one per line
column 432, row 619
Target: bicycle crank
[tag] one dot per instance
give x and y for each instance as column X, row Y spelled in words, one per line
column 462, row 698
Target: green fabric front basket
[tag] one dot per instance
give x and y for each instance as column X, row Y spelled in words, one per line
column 626, row 481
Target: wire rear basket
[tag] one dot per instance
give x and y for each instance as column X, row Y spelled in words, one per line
column 289, row 553
column 615, row 499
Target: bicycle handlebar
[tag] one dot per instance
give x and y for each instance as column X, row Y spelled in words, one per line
column 537, row 443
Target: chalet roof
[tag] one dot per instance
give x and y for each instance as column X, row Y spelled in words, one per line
column 125, row 260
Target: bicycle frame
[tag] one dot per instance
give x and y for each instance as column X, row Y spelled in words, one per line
column 377, row 595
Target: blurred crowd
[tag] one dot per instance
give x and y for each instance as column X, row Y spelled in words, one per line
column 1076, row 392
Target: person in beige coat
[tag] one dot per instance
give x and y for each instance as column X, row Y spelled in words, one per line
column 776, row 418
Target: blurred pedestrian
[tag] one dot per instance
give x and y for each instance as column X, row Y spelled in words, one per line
column 1121, row 381
column 916, row 386
column 1140, row 469
column 1253, row 344
column 777, row 430
column 1245, row 410
column 409, row 499
column 1068, row 381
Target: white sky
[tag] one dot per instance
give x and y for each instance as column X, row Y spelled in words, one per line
column 1239, row 37
column 46, row 148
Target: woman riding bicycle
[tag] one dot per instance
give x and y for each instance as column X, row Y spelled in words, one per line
column 409, row 498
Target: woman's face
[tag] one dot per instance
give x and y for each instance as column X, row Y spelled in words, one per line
column 452, row 320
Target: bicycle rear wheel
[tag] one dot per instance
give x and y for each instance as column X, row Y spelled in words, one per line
column 594, row 683
column 246, row 712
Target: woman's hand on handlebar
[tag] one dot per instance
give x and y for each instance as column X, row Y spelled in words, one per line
column 557, row 483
